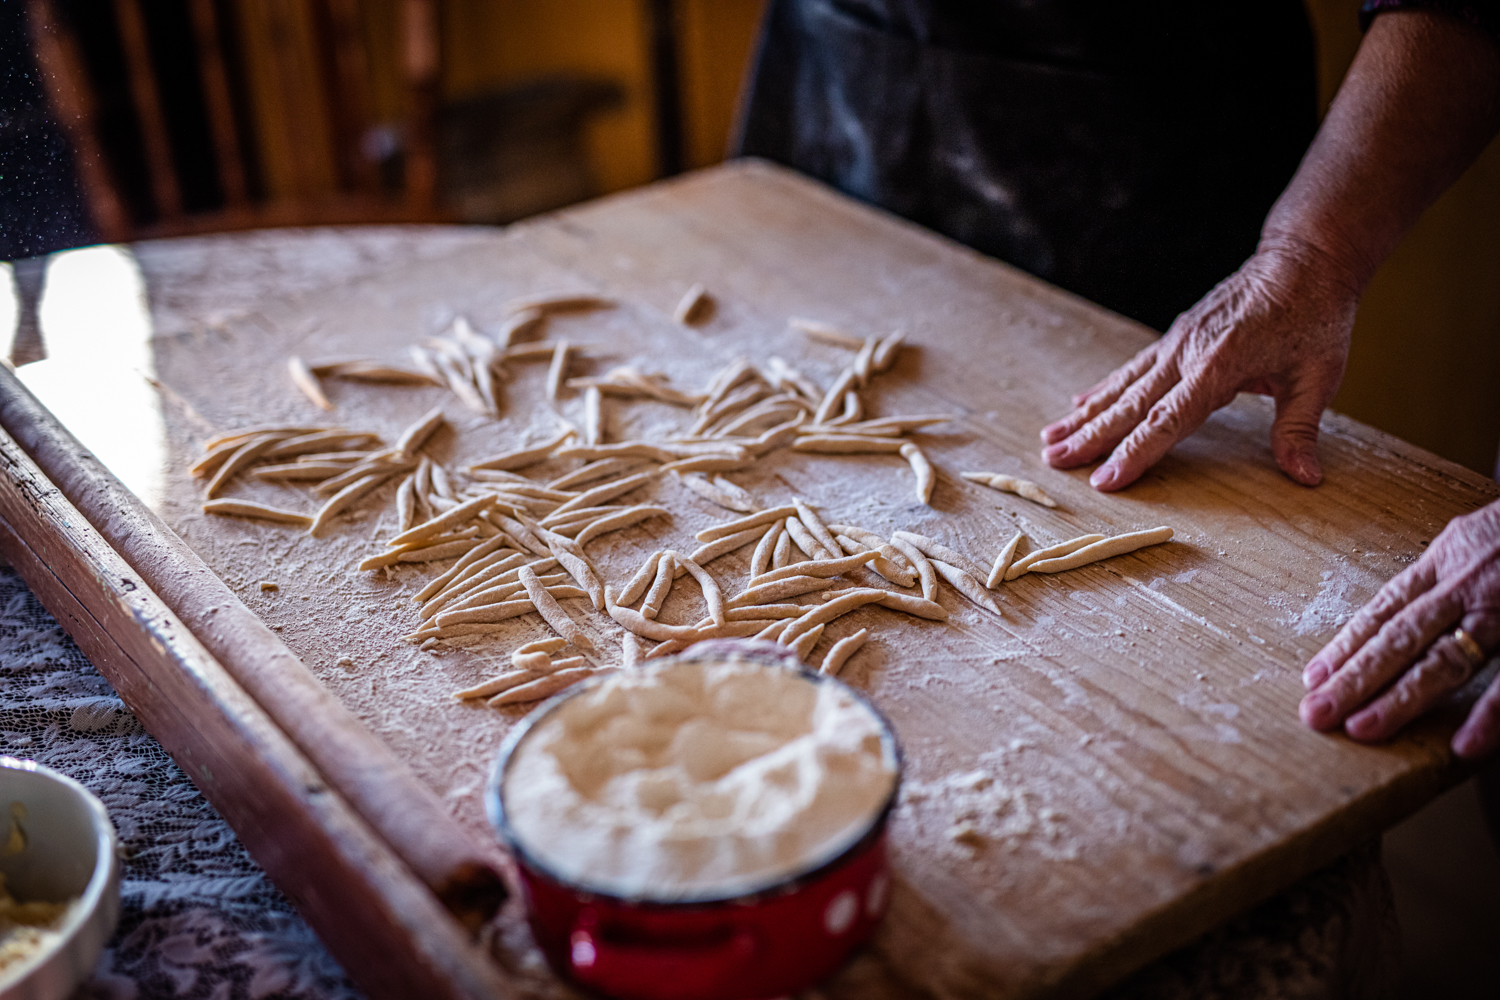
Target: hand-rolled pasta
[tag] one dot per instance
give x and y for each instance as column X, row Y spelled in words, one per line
column 242, row 456
column 1011, row 484
column 465, row 511
column 826, row 612
column 334, row 438
column 804, row 643
column 693, row 301
column 488, row 614
column 307, row 382
column 520, row 458
column 593, row 416
column 713, row 494
column 839, row 653
column 259, row 511
column 1023, row 565
column 917, row 606
column 825, row 333
column 965, row 583
column 815, row 526
column 615, row 522
column 645, row 627
column 882, row 426
column 805, row 541
column 790, row 586
column 749, row 521
column 781, row 557
column 895, row 572
column 548, row 646
column 922, row 469
column 418, row 433
column 925, row 573
column 606, row 492
column 1104, row 549
column 772, row 632
column 760, row 562
column 887, row 350
column 345, row 498
column 712, row 596
column 643, row 577
column 631, row 654
column 243, row 434
column 572, row 559
column 666, row 573
column 550, row 610
column 846, row 444
column 547, row 303
column 1003, row 560
column 378, row 464
column 936, row 550
column 834, row 397
column 817, row 567
column 493, row 686
column 542, row 687
column 599, row 469
column 557, row 372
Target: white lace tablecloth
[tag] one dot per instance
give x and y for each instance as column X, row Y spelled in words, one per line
column 201, row 920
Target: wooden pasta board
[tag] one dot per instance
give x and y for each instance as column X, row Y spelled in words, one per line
column 1124, row 738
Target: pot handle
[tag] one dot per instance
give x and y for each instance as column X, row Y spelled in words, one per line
column 658, row 971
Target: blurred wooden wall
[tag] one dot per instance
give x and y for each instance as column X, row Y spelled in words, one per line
column 496, row 43
column 491, row 44
column 1427, row 341
column 1426, row 359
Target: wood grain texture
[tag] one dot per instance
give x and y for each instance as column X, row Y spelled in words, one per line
column 462, row 870
column 390, row 933
column 1125, row 737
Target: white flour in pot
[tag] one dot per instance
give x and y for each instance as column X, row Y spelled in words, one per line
column 697, row 780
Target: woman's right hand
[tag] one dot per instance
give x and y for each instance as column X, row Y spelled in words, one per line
column 1278, row 326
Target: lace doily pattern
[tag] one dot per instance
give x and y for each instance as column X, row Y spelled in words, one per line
column 199, row 919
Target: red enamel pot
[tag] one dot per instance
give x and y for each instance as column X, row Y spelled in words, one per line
column 769, row 941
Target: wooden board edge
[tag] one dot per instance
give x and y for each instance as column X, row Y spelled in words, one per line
column 390, row 933
column 1258, row 878
column 463, row 872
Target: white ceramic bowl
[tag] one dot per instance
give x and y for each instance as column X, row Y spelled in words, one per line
column 70, row 851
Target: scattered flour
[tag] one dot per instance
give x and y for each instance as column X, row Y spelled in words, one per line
column 975, row 810
column 1342, row 591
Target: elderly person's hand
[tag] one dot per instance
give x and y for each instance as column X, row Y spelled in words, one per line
column 1400, row 655
column 1419, row 103
column 1279, row 326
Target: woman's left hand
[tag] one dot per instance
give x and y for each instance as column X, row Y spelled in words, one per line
column 1401, row 654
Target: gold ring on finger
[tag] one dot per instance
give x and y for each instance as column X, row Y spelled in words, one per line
column 1468, row 648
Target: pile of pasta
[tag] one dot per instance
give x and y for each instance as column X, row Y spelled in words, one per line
column 519, row 545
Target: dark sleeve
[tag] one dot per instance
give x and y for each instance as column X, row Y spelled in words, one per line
column 1484, row 14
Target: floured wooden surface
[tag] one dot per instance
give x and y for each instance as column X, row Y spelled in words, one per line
column 1126, row 738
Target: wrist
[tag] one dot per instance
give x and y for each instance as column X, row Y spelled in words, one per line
column 1293, row 261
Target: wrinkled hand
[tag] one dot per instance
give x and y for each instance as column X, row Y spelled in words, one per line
column 1404, row 635
column 1278, row 326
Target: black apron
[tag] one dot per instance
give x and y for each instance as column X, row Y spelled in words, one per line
column 1127, row 152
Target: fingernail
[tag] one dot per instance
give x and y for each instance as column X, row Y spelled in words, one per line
column 1104, row 477
column 1052, row 453
column 1051, row 433
column 1316, row 710
column 1364, row 725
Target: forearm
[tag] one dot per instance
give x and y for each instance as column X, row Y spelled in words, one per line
column 1420, row 102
